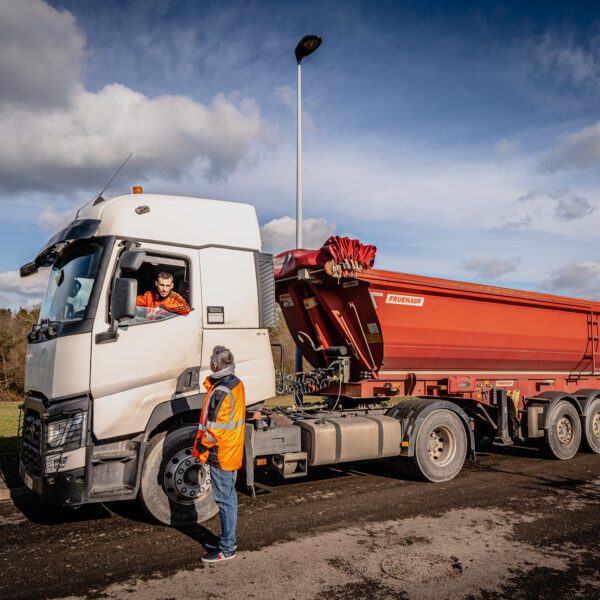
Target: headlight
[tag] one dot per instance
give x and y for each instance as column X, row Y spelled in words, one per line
column 66, row 432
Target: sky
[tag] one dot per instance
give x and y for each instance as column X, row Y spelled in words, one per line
column 461, row 138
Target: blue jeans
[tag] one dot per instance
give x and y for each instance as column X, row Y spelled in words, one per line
column 223, row 489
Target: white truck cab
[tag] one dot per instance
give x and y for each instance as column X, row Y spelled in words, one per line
column 113, row 392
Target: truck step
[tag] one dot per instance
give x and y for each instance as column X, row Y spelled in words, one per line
column 113, row 456
column 111, row 492
column 290, row 464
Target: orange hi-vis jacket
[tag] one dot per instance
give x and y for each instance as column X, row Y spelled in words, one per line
column 174, row 302
column 220, row 439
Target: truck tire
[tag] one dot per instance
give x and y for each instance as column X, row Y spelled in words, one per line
column 591, row 428
column 175, row 487
column 563, row 431
column 440, row 448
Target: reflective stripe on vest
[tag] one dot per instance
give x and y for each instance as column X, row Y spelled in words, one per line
column 206, row 433
column 230, row 425
column 227, row 391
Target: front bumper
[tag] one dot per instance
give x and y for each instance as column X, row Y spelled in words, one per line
column 57, row 474
column 67, row 488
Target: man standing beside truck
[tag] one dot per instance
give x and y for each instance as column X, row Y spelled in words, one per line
column 220, row 444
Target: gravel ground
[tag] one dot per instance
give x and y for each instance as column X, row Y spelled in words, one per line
column 512, row 525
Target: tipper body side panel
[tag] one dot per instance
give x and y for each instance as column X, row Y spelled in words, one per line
column 448, row 326
column 408, row 334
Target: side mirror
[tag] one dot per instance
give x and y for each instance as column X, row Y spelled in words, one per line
column 122, row 302
column 28, row 269
column 131, row 260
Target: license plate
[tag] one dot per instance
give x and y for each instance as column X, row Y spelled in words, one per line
column 28, row 481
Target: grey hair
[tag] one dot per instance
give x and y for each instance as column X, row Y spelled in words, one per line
column 221, row 358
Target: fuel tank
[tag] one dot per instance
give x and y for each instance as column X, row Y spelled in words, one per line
column 332, row 440
column 395, row 323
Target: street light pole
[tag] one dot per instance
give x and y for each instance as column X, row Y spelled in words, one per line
column 299, row 159
column 307, row 45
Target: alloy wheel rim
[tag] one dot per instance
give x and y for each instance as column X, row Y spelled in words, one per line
column 186, row 479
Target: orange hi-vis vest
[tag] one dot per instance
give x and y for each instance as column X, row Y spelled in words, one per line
column 220, row 439
column 174, row 302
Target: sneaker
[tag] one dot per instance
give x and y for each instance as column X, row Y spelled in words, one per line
column 215, row 557
column 214, row 546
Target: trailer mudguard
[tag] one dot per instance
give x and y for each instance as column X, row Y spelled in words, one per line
column 548, row 401
column 412, row 414
column 585, row 398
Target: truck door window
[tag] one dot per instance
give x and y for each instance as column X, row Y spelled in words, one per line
column 151, row 304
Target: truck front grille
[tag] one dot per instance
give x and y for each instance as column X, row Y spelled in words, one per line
column 31, row 443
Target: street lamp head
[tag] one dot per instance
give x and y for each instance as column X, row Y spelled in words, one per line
column 307, row 45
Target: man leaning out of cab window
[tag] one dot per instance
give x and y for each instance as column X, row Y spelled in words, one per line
column 163, row 300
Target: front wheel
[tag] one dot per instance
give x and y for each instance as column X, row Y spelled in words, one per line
column 175, row 487
column 440, row 448
column 563, row 431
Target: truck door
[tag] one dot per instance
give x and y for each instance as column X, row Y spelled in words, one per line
column 138, row 371
column 232, row 317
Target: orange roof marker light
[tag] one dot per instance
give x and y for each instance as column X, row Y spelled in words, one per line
column 137, row 189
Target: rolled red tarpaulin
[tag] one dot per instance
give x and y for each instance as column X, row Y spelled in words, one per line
column 341, row 256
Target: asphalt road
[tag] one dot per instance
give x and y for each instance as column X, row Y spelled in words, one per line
column 513, row 525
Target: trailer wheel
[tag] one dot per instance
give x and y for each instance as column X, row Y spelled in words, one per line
column 440, row 447
column 175, row 488
column 563, row 431
column 591, row 428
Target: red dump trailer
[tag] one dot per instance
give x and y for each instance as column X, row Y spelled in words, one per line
column 508, row 366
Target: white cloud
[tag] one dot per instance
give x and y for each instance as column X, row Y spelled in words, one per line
column 86, row 142
column 11, row 281
column 53, row 220
column 20, row 291
column 522, row 223
column 581, row 279
column 280, row 234
column 506, row 147
column 567, row 206
column 572, row 207
column 40, row 54
column 568, row 61
column 489, row 267
column 288, row 97
column 82, row 141
column 579, row 150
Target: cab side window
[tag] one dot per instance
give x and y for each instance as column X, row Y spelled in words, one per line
column 163, row 289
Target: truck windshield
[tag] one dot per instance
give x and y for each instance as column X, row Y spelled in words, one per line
column 71, row 280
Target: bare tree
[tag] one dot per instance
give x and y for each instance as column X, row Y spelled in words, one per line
column 14, row 327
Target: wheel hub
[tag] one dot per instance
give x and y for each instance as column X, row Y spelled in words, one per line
column 186, row 478
column 596, row 426
column 564, row 430
column 440, row 445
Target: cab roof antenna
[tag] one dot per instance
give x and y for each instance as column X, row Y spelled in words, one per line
column 99, row 197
